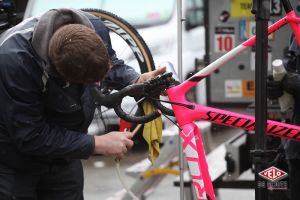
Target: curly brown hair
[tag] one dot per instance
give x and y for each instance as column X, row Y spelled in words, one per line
column 78, row 54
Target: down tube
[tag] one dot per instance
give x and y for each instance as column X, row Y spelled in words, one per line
column 242, row 121
column 195, row 156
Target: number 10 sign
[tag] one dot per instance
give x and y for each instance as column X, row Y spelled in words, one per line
column 224, row 39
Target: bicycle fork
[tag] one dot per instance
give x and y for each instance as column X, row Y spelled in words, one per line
column 195, row 156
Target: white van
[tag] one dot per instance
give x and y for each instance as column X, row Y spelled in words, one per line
column 156, row 21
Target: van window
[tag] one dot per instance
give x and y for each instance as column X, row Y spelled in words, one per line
column 194, row 13
column 139, row 13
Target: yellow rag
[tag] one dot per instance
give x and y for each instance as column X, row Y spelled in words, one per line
column 152, row 132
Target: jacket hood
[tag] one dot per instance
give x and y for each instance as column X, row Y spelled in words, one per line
column 47, row 24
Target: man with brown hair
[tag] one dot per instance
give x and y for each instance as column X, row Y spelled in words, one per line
column 47, row 66
column 76, row 39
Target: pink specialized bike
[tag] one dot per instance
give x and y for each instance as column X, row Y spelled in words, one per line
column 187, row 112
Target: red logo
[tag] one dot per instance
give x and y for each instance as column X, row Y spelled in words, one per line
column 273, row 174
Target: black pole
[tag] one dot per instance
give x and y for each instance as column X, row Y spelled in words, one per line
column 261, row 9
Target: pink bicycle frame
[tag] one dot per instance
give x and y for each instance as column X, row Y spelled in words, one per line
column 190, row 134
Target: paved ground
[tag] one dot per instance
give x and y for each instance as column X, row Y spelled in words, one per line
column 101, row 180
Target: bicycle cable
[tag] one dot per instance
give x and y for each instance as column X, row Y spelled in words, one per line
column 121, row 178
column 189, row 106
column 173, row 122
column 133, row 196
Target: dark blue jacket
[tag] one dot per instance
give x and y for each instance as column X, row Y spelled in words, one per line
column 43, row 120
column 291, row 83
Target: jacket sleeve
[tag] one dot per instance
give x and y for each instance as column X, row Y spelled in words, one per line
column 26, row 122
column 291, row 81
column 121, row 74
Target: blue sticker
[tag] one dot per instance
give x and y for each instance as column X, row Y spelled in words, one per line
column 242, row 30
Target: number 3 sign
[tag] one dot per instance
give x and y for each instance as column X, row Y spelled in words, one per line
column 224, row 39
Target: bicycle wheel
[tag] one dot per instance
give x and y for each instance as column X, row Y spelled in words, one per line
column 126, row 41
column 130, row 47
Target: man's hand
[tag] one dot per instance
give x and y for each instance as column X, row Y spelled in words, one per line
column 114, row 144
column 148, row 75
